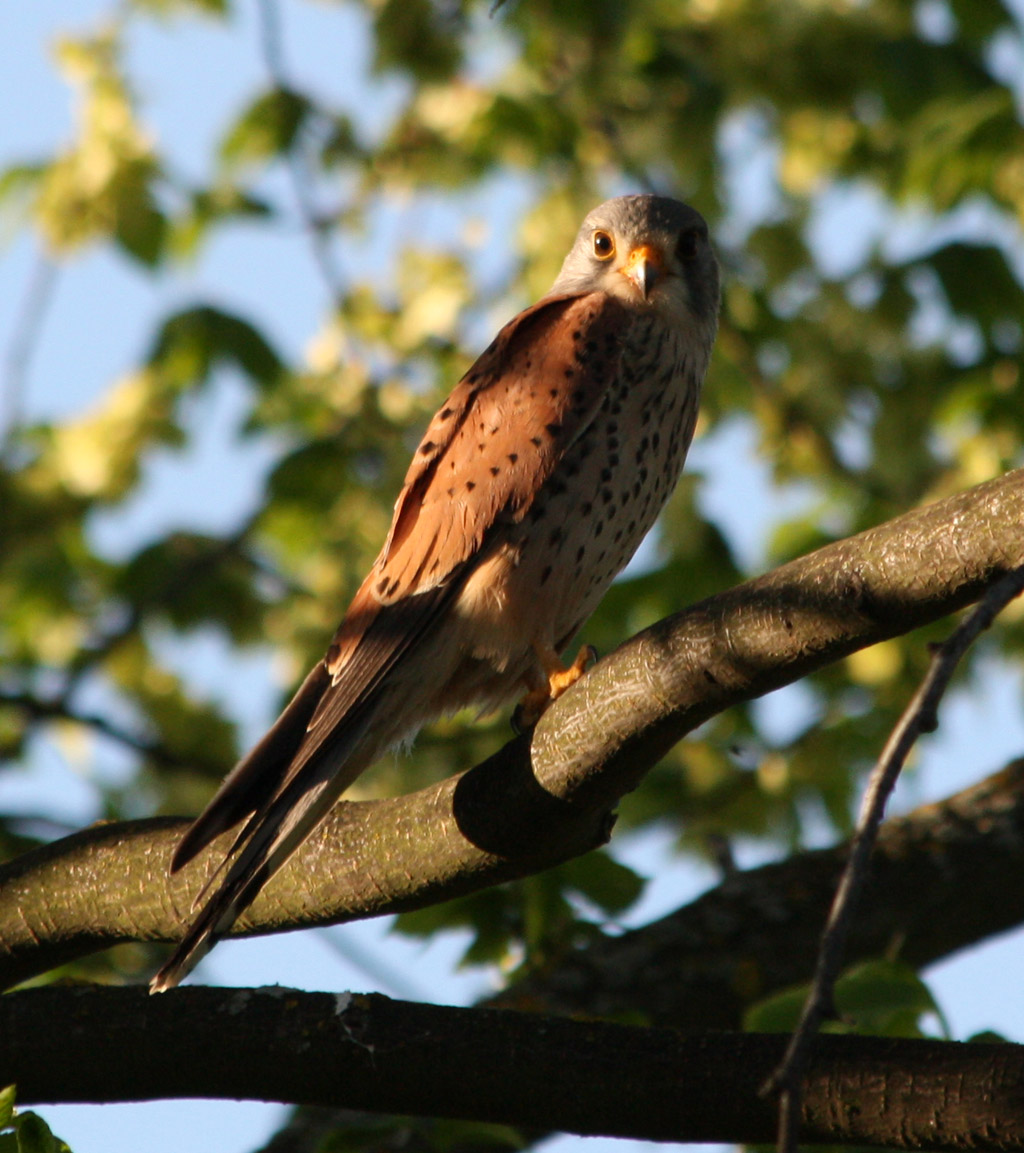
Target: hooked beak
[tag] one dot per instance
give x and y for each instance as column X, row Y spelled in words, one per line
column 644, row 268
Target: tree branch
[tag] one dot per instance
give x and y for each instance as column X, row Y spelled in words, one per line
column 942, row 878
column 544, row 797
column 368, row 1052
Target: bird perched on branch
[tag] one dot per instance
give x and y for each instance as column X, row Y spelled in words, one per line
column 531, row 489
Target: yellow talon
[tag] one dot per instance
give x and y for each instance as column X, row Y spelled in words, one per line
column 557, row 678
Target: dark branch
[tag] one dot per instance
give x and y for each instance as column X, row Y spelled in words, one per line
column 367, row 1052
column 59, row 708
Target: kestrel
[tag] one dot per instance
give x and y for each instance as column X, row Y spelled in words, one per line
column 531, row 489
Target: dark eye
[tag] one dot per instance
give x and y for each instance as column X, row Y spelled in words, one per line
column 689, row 240
column 604, row 246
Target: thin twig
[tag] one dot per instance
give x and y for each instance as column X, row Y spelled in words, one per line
column 56, row 708
column 27, row 327
column 920, row 716
column 102, row 643
column 298, row 169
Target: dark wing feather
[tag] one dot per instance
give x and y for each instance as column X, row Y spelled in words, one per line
column 248, row 787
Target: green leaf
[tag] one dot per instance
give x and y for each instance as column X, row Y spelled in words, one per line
column 7, row 1098
column 34, row 1135
column 612, row 886
column 19, row 185
column 193, row 733
column 341, row 144
column 369, row 1133
column 886, row 998
column 437, row 1134
column 450, row 1136
column 547, row 917
column 192, row 579
column 420, row 37
column 101, row 187
column 209, row 207
column 988, row 1037
column 267, row 128
column 778, row 1013
column 140, row 228
column 978, row 281
column 494, row 918
column 879, row 998
column 192, row 342
column 166, row 8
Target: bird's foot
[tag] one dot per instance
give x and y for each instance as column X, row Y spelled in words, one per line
column 533, row 706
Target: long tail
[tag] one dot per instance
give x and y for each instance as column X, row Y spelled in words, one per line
column 346, row 713
column 271, row 835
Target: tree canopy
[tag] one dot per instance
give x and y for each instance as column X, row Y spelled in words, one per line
column 412, row 172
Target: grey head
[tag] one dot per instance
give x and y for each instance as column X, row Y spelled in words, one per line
column 651, row 252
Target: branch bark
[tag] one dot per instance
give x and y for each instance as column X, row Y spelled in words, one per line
column 546, row 797
column 368, row 1052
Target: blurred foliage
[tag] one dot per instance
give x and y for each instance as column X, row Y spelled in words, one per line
column 863, row 169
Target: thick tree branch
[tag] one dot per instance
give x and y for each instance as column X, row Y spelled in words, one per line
column 543, row 799
column 943, row 878
column 368, row 1052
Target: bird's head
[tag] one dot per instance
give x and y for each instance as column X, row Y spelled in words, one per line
column 650, row 252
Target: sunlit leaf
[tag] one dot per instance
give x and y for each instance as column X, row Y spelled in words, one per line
column 183, row 7
column 8, row 1095
column 103, row 184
